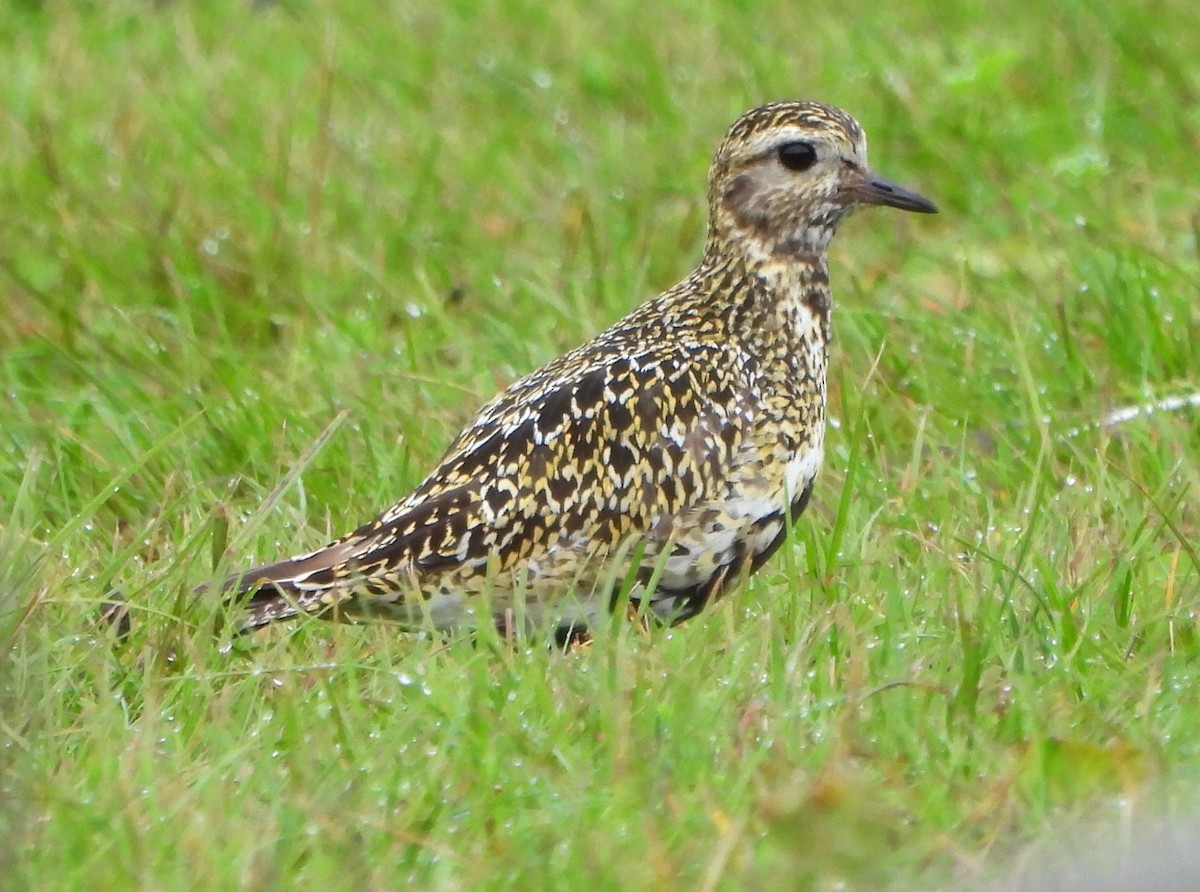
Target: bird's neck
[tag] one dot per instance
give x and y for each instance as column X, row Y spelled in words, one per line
column 775, row 295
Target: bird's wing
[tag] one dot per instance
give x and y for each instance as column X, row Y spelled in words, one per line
column 601, row 445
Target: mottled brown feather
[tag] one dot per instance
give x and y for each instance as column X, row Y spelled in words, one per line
column 685, row 438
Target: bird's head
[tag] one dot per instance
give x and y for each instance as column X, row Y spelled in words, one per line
column 788, row 173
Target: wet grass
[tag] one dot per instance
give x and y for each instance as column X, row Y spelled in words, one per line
column 278, row 254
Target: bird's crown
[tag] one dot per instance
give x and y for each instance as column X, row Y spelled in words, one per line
column 762, row 129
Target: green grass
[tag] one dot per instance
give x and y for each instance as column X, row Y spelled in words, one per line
column 226, row 229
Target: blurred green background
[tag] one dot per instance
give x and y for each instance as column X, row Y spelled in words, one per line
column 227, row 228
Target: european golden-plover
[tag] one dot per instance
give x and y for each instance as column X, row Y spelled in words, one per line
column 665, row 458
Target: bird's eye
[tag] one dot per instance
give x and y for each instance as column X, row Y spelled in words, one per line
column 797, row 156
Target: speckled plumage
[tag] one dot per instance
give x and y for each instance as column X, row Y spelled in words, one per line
column 673, row 449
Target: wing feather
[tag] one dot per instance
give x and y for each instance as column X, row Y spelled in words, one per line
column 617, row 449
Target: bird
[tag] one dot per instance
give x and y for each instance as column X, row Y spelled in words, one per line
column 657, row 465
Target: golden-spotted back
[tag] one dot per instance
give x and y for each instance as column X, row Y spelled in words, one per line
column 674, row 448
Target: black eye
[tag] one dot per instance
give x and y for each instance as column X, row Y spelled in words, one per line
column 797, row 155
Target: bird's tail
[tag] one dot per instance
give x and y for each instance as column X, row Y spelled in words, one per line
column 308, row 584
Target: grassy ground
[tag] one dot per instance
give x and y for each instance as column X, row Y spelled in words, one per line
column 228, row 230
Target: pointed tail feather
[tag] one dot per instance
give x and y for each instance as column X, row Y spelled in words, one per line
column 305, row 584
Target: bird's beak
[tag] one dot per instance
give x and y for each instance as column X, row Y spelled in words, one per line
column 874, row 189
